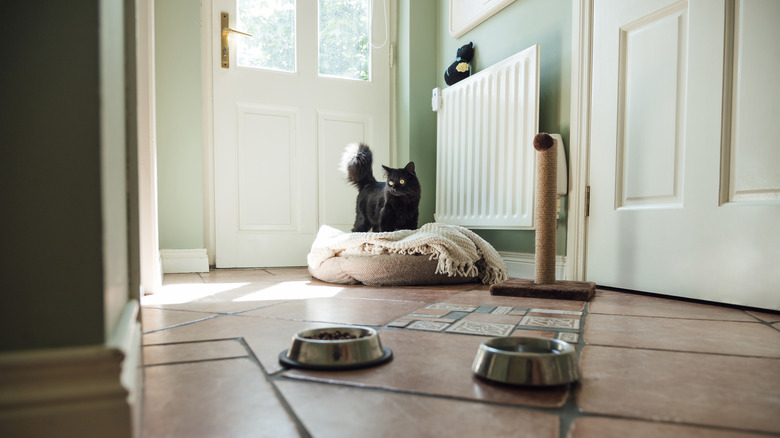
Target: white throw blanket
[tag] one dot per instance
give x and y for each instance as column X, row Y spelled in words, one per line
column 459, row 251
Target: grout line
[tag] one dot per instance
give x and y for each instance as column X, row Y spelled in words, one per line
column 280, row 376
column 196, row 341
column 675, row 317
column 183, row 324
column 304, row 433
column 685, row 351
column 185, row 362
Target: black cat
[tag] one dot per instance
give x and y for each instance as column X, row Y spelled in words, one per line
column 381, row 206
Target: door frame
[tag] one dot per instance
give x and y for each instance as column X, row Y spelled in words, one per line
column 207, row 116
column 579, row 138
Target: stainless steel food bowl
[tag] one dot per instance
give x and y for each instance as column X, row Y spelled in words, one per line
column 365, row 350
column 527, row 361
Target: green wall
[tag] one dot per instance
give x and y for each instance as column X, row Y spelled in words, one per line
column 515, row 28
column 416, row 77
column 179, row 124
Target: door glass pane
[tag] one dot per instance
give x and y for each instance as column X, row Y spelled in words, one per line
column 343, row 44
column 272, row 24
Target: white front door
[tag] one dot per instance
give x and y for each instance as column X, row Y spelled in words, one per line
column 307, row 83
column 685, row 166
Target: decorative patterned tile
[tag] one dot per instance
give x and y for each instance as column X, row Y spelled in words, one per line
column 452, row 307
column 400, row 323
column 485, row 309
column 535, row 333
column 431, row 326
column 481, row 328
column 502, row 310
column 571, row 338
column 560, row 312
column 539, row 321
column 429, row 312
column 457, row 315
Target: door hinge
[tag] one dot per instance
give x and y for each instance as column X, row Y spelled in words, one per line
column 587, row 201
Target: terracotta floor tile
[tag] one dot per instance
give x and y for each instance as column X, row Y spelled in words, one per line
column 344, row 412
column 692, row 388
column 535, row 333
column 291, row 274
column 153, row 318
column 429, row 295
column 438, row 364
column 267, row 338
column 553, row 321
column 481, row 297
column 192, row 351
column 190, row 278
column 239, row 297
column 427, row 312
column 224, row 398
column 339, row 310
column 239, row 276
column 591, row 427
column 765, row 315
column 724, row 337
column 622, row 303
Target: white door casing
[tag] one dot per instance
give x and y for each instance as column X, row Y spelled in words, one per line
column 278, row 137
column 685, row 191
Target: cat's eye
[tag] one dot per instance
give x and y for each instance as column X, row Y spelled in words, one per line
column 401, row 181
column 390, row 183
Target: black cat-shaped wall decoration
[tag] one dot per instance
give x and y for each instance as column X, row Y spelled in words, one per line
column 460, row 68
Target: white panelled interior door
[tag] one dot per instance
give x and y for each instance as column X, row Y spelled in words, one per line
column 283, row 112
column 684, row 176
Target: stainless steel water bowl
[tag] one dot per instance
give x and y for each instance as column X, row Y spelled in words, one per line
column 527, row 361
column 308, row 352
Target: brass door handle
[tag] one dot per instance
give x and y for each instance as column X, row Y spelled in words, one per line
column 226, row 31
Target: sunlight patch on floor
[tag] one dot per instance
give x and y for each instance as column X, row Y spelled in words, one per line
column 291, row 290
column 185, row 293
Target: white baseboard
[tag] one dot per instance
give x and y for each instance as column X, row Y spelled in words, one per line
column 64, row 392
column 523, row 265
column 180, row 261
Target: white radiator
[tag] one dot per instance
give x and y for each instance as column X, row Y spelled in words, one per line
column 485, row 160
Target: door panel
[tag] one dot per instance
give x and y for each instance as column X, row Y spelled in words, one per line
column 651, row 93
column 752, row 155
column 661, row 159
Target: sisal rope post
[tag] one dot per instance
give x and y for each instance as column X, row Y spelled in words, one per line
column 546, row 207
column 544, row 284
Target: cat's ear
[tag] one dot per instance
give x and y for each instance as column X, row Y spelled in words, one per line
column 387, row 169
column 410, row 167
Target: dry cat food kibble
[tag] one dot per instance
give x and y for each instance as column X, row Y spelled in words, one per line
column 333, row 336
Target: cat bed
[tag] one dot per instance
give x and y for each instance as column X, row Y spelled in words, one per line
column 434, row 254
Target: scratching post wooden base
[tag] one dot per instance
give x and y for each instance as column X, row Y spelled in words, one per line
column 544, row 284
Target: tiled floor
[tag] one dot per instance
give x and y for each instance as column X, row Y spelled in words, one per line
column 652, row 367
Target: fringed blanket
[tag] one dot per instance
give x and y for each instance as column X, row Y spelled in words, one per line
column 458, row 250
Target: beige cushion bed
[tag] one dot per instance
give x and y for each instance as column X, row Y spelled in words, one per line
column 434, row 254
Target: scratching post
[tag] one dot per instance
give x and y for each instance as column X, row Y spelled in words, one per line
column 546, row 208
column 544, row 284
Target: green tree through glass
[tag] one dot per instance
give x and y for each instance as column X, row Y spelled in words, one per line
column 272, row 24
column 343, row 38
